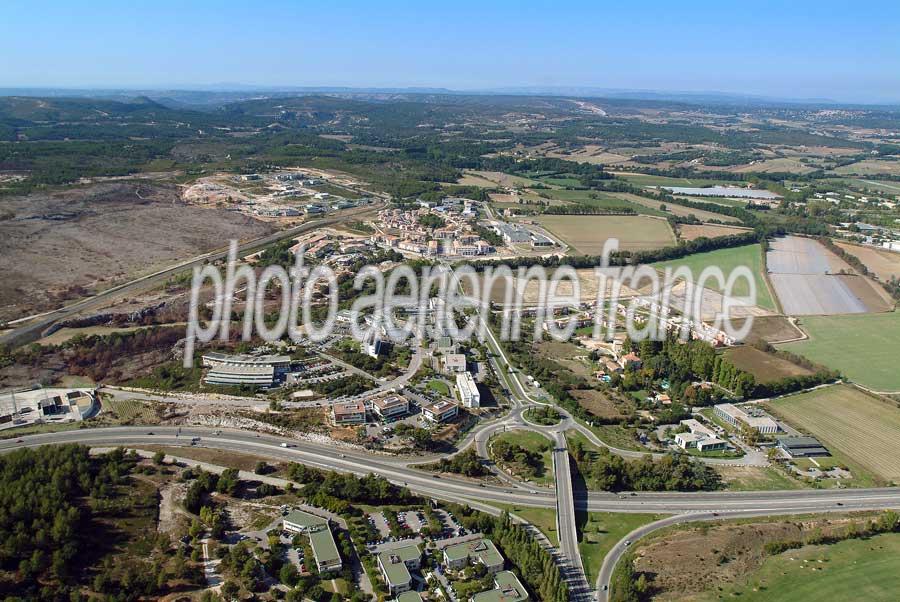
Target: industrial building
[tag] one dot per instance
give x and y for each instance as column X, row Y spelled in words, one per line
column 698, row 437
column 468, row 390
column 252, row 370
column 39, row 404
column 321, row 540
column 736, row 416
column 802, row 447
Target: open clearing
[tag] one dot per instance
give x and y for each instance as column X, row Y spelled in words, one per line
column 859, row 569
column 851, row 423
column 864, row 348
column 728, row 561
column 588, row 287
column 765, row 367
column 598, row 532
column 695, row 231
column 493, row 179
column 728, row 260
column 883, row 263
column 58, row 246
column 587, row 234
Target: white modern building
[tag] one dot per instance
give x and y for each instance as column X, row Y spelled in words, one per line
column 735, row 416
column 468, row 390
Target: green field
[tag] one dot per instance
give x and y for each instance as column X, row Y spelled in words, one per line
column 857, row 569
column 860, row 430
column 728, row 260
column 586, row 234
column 639, row 179
column 598, row 532
column 439, row 387
column 542, row 518
column 601, row 200
column 863, row 347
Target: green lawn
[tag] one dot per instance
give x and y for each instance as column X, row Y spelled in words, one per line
column 542, row 518
column 534, row 442
column 858, row 569
column 600, row 531
column 439, row 387
column 728, row 260
column 863, row 347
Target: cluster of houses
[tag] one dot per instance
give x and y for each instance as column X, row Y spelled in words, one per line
column 403, row 230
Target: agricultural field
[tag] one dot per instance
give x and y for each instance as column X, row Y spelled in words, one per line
column 695, row 231
column 864, row 348
column 869, row 167
column 639, row 179
column 728, row 260
column 772, row 329
column 881, row 262
column 587, row 234
column 855, row 426
column 765, row 367
column 604, row 200
column 811, row 280
column 493, row 179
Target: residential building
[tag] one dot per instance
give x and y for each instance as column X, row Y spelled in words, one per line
column 454, row 362
column 392, row 406
column 395, row 566
column 321, row 540
column 507, row 588
column 755, row 419
column 350, row 412
column 468, row 390
column 440, row 411
column 630, row 360
column 803, row 447
column 483, row 551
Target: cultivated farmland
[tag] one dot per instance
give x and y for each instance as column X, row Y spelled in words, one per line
column 881, row 262
column 806, row 278
column 587, row 234
column 695, row 231
column 851, row 423
column 864, row 348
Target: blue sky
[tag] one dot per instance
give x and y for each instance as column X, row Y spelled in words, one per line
column 799, row 49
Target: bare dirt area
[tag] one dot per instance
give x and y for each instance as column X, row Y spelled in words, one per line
column 689, row 560
column 772, row 329
column 883, row 263
column 695, row 231
column 597, row 403
column 62, row 246
column 765, row 367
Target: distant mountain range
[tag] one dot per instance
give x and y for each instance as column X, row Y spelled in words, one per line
column 218, row 94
